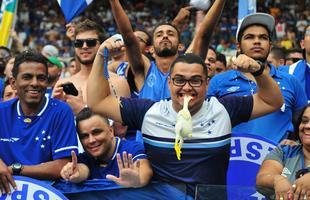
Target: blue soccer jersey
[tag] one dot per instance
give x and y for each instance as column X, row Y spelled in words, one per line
column 274, row 126
column 155, row 85
column 203, row 153
column 32, row 140
column 100, row 172
column 301, row 70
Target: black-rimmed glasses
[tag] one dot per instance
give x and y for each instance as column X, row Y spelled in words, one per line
column 91, row 42
column 194, row 82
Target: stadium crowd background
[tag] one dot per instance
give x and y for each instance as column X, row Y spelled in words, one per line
column 44, row 22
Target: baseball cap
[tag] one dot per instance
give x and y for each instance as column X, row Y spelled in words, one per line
column 50, row 51
column 55, row 61
column 256, row 18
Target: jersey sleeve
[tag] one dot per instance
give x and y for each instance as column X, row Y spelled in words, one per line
column 65, row 137
column 239, row 108
column 133, row 111
column 300, row 95
column 136, row 149
column 276, row 154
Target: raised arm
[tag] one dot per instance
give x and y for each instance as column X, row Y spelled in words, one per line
column 203, row 36
column 268, row 97
column 99, row 98
column 136, row 59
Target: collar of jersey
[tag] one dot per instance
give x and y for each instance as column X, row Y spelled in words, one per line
column 19, row 111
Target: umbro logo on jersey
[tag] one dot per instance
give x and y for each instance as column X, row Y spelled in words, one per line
column 286, row 171
column 9, row 139
column 233, row 89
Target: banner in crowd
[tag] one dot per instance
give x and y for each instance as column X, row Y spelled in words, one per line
column 8, row 9
column 246, row 7
column 247, row 152
column 72, row 8
column 28, row 188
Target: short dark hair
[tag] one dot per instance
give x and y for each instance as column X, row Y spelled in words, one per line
column 28, row 56
column 169, row 24
column 89, row 25
column 242, row 31
column 222, row 58
column 298, row 121
column 190, row 58
column 84, row 114
column 278, row 52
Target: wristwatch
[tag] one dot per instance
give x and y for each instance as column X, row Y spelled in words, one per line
column 261, row 69
column 17, row 168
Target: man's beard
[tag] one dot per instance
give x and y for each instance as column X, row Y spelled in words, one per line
column 86, row 62
column 166, row 52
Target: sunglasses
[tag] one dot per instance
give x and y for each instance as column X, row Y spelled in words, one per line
column 91, row 42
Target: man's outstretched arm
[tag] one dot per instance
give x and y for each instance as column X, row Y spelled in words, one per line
column 99, row 98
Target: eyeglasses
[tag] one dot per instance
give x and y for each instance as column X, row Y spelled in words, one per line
column 195, row 82
column 91, row 42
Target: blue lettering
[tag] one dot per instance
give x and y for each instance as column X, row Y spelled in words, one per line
column 3, row 196
column 40, row 195
column 235, row 151
column 20, row 195
column 253, row 148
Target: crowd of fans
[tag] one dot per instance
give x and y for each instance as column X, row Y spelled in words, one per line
column 258, row 86
column 45, row 23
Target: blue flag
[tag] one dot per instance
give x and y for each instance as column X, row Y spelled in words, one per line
column 246, row 7
column 72, row 8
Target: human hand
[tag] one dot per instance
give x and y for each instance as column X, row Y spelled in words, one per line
column 246, row 64
column 128, row 172
column 70, row 171
column 301, row 188
column 58, row 92
column 115, row 45
column 283, row 188
column 75, row 102
column 183, row 15
column 6, row 178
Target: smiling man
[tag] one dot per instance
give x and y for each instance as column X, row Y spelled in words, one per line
column 212, row 118
column 37, row 134
column 106, row 156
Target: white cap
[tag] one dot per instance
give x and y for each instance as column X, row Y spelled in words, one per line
column 50, row 51
column 263, row 19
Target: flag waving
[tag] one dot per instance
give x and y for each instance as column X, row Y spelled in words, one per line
column 72, row 8
column 8, row 9
column 246, row 7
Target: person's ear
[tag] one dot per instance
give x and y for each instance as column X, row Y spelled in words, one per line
column 12, row 82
